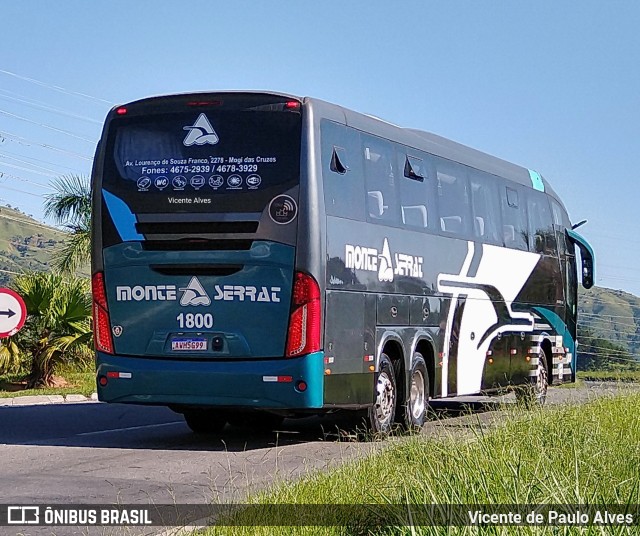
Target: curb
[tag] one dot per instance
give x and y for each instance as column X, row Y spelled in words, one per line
column 40, row 400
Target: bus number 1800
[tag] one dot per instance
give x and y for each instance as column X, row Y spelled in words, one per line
column 197, row 320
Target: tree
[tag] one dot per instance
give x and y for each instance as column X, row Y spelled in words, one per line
column 58, row 322
column 70, row 206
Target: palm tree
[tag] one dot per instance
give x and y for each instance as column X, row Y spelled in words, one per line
column 10, row 356
column 70, row 206
column 58, row 322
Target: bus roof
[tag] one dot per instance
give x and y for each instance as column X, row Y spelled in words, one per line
column 431, row 143
column 416, row 138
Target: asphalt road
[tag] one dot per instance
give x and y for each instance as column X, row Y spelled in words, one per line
column 105, row 454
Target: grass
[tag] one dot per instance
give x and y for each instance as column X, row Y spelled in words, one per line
column 610, row 376
column 81, row 382
column 587, row 454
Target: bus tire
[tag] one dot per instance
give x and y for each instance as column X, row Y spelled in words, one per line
column 418, row 399
column 382, row 413
column 205, row 422
column 535, row 394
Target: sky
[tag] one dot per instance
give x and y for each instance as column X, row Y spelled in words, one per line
column 550, row 85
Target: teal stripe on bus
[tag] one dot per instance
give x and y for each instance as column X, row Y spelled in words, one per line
column 123, row 219
column 536, row 180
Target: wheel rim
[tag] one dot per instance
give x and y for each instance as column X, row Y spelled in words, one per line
column 542, row 380
column 385, row 399
column 418, row 398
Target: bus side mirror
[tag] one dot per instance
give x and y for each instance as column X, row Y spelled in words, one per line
column 586, row 256
column 587, row 271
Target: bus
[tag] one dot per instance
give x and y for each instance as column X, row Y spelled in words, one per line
column 257, row 256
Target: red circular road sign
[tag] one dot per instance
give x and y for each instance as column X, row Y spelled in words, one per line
column 13, row 312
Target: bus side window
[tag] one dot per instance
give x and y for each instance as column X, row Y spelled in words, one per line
column 381, row 180
column 540, row 223
column 514, row 220
column 486, row 207
column 417, row 191
column 342, row 176
column 453, row 199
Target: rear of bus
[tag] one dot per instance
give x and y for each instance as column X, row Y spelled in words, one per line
column 197, row 301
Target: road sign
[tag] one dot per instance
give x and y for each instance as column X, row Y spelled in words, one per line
column 13, row 312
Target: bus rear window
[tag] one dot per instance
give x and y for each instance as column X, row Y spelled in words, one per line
column 202, row 161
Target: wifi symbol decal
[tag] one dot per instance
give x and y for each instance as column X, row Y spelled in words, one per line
column 283, row 209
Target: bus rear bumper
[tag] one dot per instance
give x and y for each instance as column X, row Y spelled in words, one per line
column 266, row 384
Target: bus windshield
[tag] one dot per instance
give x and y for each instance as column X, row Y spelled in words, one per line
column 213, row 160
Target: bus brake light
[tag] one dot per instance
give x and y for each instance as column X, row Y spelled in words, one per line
column 101, row 321
column 304, row 322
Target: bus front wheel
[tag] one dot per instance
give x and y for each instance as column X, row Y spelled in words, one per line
column 202, row 421
column 535, row 394
column 381, row 414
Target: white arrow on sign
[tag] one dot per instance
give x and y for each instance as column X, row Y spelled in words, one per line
column 13, row 312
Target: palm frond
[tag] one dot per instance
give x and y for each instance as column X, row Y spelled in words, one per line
column 11, row 356
column 71, row 202
column 75, row 253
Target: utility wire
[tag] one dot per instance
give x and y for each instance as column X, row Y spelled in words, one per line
column 44, row 125
column 37, row 166
column 11, row 154
column 28, row 143
column 45, row 171
column 20, row 191
column 51, row 109
column 55, row 88
column 4, row 175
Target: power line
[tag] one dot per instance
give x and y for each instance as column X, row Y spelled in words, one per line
column 594, row 322
column 44, row 125
column 23, row 161
column 50, row 173
column 28, row 143
column 4, row 175
column 21, row 191
column 10, row 154
column 55, row 88
column 612, row 351
column 51, row 109
column 607, row 315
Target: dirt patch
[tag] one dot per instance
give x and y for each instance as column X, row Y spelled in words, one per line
column 12, row 387
column 57, row 382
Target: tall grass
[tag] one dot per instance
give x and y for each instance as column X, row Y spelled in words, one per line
column 587, row 454
column 610, row 375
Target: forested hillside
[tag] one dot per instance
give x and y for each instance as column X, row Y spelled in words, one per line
column 612, row 315
column 25, row 244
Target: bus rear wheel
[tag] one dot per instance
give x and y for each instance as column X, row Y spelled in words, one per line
column 535, row 394
column 206, row 422
column 381, row 414
column 418, row 400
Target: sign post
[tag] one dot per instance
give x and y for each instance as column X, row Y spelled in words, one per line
column 13, row 312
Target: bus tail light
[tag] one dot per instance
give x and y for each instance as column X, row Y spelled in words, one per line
column 101, row 322
column 304, row 322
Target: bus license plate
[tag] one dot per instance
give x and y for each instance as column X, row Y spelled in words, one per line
column 189, row 345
